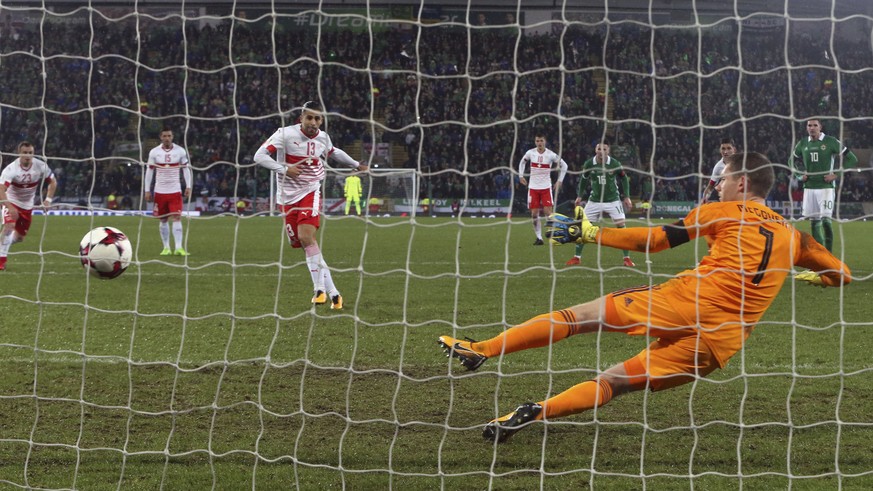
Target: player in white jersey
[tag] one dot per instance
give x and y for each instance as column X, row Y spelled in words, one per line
column 297, row 154
column 165, row 162
column 539, row 196
column 19, row 183
column 727, row 148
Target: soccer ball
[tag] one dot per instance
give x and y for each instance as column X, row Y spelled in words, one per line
column 105, row 252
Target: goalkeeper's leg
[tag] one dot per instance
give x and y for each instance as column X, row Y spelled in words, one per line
column 543, row 330
column 357, row 205
column 663, row 365
column 828, row 234
column 348, row 205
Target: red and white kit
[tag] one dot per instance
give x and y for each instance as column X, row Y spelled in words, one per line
column 22, row 184
column 540, row 183
column 165, row 165
column 291, row 146
column 21, row 187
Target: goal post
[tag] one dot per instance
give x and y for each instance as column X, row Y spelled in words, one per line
column 385, row 191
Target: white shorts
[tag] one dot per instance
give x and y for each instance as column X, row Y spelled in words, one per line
column 818, row 203
column 595, row 211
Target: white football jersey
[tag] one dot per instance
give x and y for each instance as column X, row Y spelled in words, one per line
column 166, row 164
column 22, row 184
column 541, row 168
column 717, row 172
column 291, row 146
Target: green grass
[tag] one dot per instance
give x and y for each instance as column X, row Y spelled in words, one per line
column 215, row 371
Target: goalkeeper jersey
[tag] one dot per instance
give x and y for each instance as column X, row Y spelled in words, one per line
column 752, row 252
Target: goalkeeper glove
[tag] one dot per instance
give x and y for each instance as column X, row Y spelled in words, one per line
column 579, row 213
column 561, row 229
column 810, row 277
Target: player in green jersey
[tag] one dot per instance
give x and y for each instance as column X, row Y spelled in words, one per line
column 818, row 162
column 604, row 174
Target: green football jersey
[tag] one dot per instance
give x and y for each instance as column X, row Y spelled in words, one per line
column 821, row 157
column 604, row 180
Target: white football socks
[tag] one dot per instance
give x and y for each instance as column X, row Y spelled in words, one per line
column 313, row 262
column 165, row 234
column 177, row 234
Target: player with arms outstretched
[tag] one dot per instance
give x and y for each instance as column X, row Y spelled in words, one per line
column 604, row 174
column 297, row 154
column 165, row 163
column 726, row 149
column 818, row 161
column 699, row 319
column 19, row 183
column 540, row 199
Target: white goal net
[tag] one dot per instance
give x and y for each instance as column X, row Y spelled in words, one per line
column 383, row 192
column 215, row 370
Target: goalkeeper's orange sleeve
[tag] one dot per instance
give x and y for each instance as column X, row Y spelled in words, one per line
column 640, row 239
column 814, row 256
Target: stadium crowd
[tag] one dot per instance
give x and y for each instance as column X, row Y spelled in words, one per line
column 464, row 102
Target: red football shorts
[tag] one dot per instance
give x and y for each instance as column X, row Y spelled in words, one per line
column 167, row 204
column 539, row 198
column 25, row 218
column 304, row 211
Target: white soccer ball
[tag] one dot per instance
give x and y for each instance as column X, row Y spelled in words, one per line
column 105, row 252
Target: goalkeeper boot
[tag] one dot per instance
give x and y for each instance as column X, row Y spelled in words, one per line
column 463, row 351
column 504, row 427
column 336, row 302
column 629, row 262
column 319, row 298
column 574, row 261
column 538, row 241
column 181, row 252
column 167, row 252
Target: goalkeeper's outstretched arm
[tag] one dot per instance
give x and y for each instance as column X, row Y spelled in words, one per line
column 825, row 268
column 564, row 230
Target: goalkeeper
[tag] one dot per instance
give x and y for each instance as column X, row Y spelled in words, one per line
column 353, row 192
column 698, row 319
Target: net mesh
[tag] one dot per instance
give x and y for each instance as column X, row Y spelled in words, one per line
column 215, row 371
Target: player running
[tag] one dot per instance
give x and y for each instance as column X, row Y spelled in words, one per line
column 297, row 154
column 19, row 183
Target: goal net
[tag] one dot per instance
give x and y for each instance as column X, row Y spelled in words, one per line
column 216, row 371
column 384, row 192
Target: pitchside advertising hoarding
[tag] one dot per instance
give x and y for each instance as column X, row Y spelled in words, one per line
column 211, row 205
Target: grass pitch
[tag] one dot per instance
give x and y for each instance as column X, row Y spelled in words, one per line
column 214, row 371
